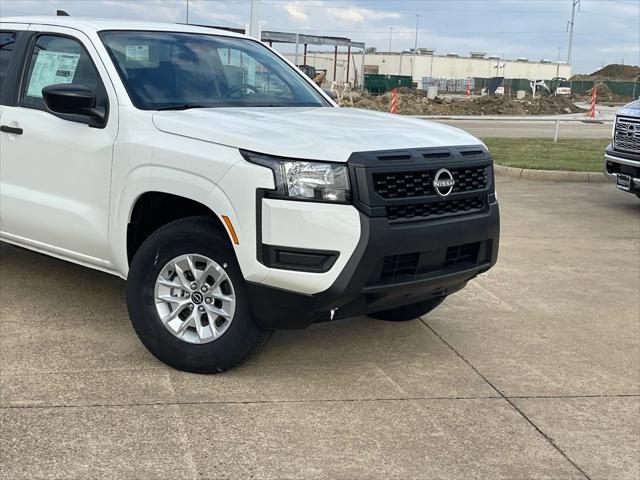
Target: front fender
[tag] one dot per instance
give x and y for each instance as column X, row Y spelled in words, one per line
column 168, row 180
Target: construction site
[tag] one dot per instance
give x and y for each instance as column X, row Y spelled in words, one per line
column 614, row 84
column 428, row 83
column 427, row 63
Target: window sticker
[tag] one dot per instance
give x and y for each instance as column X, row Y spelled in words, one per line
column 137, row 53
column 52, row 68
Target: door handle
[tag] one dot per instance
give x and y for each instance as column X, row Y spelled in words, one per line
column 8, row 129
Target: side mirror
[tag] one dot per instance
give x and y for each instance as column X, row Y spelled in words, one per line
column 74, row 102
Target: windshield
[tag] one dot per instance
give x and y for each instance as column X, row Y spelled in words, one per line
column 167, row 70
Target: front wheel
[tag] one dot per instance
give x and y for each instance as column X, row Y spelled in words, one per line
column 187, row 299
column 408, row 312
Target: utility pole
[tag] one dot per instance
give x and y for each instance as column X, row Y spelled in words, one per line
column 415, row 47
column 498, row 66
column 390, row 35
column 254, row 22
column 187, row 12
column 504, row 68
column 574, row 4
column 558, row 63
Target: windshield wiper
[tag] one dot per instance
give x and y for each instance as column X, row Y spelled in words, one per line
column 182, row 106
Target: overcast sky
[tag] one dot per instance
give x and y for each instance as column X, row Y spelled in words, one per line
column 606, row 31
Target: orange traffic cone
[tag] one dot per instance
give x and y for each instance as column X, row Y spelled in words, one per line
column 394, row 101
column 468, row 89
column 594, row 96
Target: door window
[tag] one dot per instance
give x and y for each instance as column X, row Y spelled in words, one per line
column 7, row 43
column 57, row 60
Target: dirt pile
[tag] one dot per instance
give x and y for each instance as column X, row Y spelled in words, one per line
column 629, row 73
column 415, row 102
column 604, row 95
column 551, row 106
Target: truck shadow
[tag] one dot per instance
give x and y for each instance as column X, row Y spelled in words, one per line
column 64, row 295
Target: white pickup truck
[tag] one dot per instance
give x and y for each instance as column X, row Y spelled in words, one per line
column 227, row 188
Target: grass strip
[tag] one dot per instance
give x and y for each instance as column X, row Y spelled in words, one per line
column 572, row 154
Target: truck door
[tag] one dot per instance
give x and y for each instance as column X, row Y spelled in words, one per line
column 56, row 173
column 8, row 40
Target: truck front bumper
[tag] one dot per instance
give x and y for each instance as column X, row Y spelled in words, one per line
column 394, row 264
column 624, row 169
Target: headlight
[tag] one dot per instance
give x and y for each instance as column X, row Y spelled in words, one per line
column 305, row 180
column 613, row 132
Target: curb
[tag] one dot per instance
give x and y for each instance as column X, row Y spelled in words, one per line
column 550, row 175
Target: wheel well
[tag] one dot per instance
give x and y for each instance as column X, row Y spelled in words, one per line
column 155, row 209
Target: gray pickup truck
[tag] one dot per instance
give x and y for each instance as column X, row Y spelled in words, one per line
column 622, row 156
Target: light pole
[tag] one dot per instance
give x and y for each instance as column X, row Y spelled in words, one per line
column 558, row 63
column 390, row 35
column 415, row 47
column 574, row 4
column 254, row 22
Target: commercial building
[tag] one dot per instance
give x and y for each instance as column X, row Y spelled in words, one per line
column 426, row 63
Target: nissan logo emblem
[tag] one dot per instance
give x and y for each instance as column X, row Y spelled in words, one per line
column 443, row 182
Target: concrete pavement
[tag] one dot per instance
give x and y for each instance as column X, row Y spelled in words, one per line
column 533, row 371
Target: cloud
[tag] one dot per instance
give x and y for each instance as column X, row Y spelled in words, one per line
column 296, row 11
column 627, row 9
column 606, row 30
column 202, row 12
column 622, row 48
column 360, row 15
column 349, row 14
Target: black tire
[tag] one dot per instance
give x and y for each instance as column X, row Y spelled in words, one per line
column 408, row 312
column 193, row 235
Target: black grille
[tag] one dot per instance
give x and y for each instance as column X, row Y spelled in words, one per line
column 420, row 183
column 398, row 184
column 627, row 135
column 439, row 208
column 398, row 265
column 403, row 184
column 469, row 179
column 461, row 254
column 624, row 169
column 401, row 267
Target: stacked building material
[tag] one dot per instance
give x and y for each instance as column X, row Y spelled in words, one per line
column 448, row 85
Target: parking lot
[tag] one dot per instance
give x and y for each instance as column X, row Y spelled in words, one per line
column 533, row 371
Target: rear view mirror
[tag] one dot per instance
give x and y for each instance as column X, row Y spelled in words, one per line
column 74, row 102
column 332, row 95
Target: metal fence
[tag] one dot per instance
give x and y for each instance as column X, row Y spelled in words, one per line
column 578, row 87
column 514, row 84
column 377, row 84
column 625, row 89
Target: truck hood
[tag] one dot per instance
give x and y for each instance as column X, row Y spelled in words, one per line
column 320, row 133
column 630, row 109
